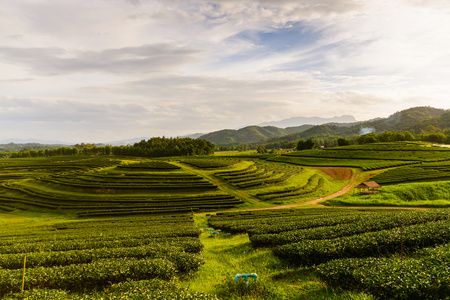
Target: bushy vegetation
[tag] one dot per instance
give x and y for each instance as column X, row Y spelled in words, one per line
column 381, row 252
column 159, row 147
column 424, row 275
column 415, row 194
column 91, row 255
column 154, row 147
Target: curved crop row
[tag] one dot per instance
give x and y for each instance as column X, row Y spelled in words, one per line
column 420, row 277
column 78, row 277
column 368, row 223
column 183, row 262
column 312, row 252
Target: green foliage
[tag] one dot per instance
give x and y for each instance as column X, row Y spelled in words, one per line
column 434, row 171
column 360, row 224
column 416, row 194
column 364, row 164
column 385, row 242
column 255, row 290
column 90, row 255
column 422, row 277
column 305, row 144
column 333, row 242
column 159, row 147
column 210, row 163
column 78, row 277
column 343, row 142
column 249, row 134
column 367, row 157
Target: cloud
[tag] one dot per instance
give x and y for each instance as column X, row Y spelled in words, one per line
column 16, row 80
column 129, row 60
column 72, row 111
column 214, row 102
column 124, row 68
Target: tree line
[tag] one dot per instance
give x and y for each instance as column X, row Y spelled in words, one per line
column 387, row 136
column 154, row 147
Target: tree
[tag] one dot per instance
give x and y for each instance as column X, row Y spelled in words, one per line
column 261, row 150
column 304, row 145
column 343, row 142
column 368, row 139
column 408, row 136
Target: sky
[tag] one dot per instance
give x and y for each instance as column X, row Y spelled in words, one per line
column 108, row 70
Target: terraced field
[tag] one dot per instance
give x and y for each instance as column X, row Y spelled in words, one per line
column 427, row 171
column 89, row 256
column 133, row 232
column 266, row 181
column 403, row 254
column 104, row 186
column 368, row 157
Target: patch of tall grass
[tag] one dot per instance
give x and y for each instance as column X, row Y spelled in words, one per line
column 421, row 194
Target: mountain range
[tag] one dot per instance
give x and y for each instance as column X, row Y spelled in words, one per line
column 414, row 119
column 297, row 121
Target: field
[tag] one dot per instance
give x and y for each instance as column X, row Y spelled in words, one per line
column 91, row 227
column 359, row 250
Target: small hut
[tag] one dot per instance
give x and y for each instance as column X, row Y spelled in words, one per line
column 368, row 187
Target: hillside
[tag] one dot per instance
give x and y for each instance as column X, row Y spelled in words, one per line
column 250, row 134
column 413, row 119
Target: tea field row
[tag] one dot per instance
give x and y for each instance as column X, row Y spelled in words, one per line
column 336, row 244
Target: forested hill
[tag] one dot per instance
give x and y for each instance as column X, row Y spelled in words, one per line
column 250, row 134
column 414, row 119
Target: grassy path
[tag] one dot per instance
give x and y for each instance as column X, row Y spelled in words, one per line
column 224, row 186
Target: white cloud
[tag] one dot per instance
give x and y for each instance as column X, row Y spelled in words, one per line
column 139, row 68
column 129, row 60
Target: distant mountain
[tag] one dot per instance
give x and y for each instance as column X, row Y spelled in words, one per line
column 32, row 141
column 193, row 136
column 249, row 134
column 297, row 121
column 413, row 119
column 272, row 130
column 16, row 147
column 126, row 142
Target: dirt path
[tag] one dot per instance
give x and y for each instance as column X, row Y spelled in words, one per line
column 355, row 179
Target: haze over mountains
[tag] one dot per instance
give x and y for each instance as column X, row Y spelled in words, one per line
column 297, row 121
column 414, row 119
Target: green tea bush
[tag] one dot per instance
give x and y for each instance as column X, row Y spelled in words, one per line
column 391, row 278
column 128, row 290
column 79, row 277
column 385, row 242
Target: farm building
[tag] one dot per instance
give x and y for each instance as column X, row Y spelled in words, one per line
column 368, row 187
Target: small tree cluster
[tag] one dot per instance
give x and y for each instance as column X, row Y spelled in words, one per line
column 305, row 144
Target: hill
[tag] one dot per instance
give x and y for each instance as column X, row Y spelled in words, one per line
column 414, row 119
column 250, row 134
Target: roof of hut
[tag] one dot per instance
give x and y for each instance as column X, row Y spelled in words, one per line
column 368, row 185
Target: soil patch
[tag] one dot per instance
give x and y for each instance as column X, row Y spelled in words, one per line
column 341, row 174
